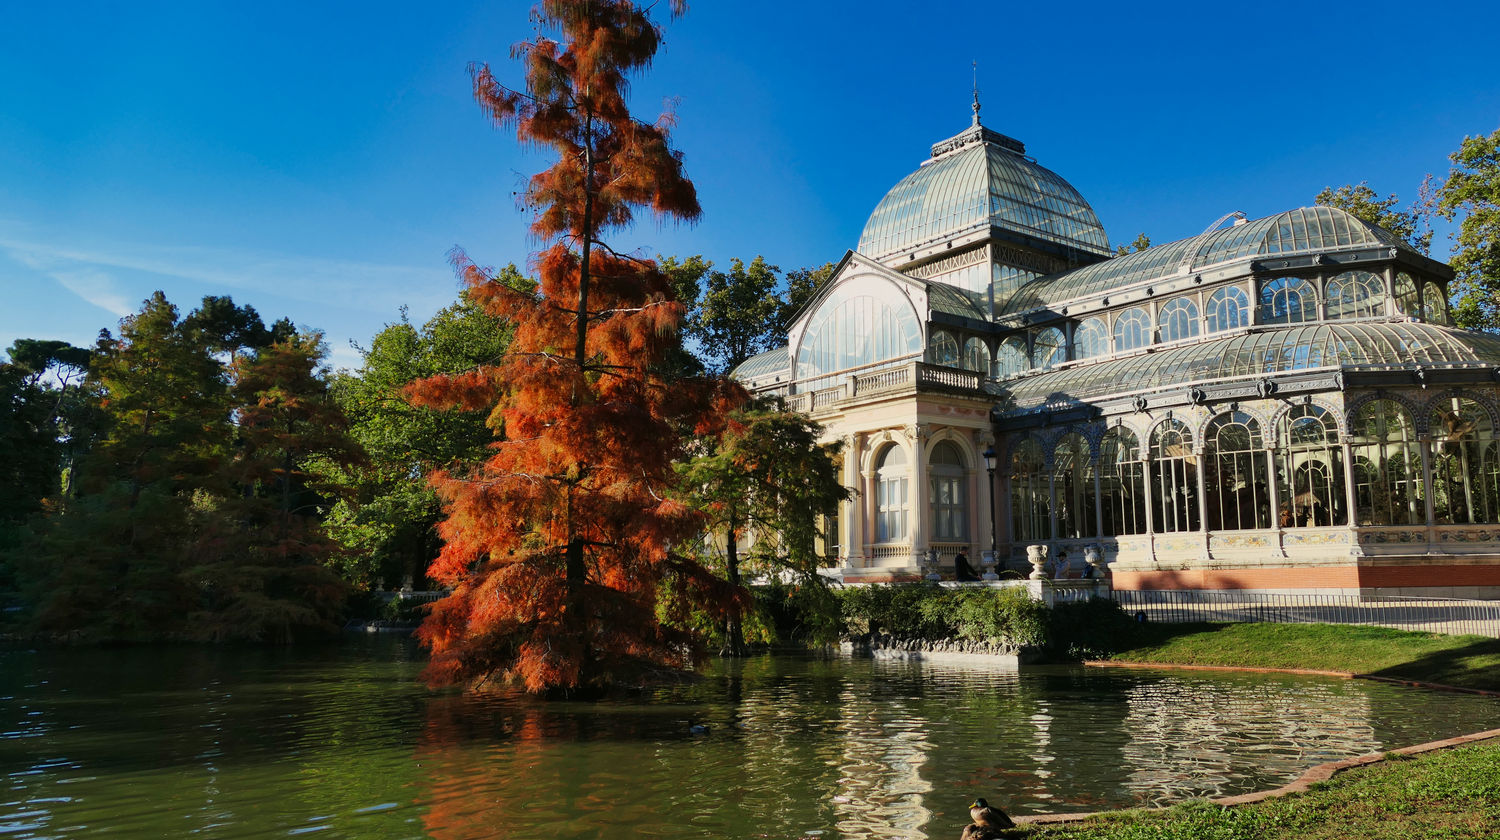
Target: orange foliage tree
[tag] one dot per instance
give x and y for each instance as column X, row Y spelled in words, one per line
column 558, row 547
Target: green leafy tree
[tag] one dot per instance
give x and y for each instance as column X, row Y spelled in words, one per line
column 1471, row 193
column 764, row 480
column 388, row 525
column 1140, row 243
column 736, row 316
column 1363, row 203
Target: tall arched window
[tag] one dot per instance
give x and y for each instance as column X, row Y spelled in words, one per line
column 1090, row 338
column 942, row 349
column 892, row 483
column 1387, row 465
column 1122, row 483
column 977, row 356
column 1228, row 309
column 1132, row 329
column 1310, row 469
column 1174, row 479
column 1406, row 295
column 1051, row 349
column 1235, row 475
column 1464, row 487
column 1356, row 294
column 950, row 520
column 1011, row 359
column 1288, row 300
column 1434, row 305
column 1178, row 319
column 1073, row 478
column 1029, row 498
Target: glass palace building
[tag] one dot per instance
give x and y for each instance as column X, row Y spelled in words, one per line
column 1279, row 404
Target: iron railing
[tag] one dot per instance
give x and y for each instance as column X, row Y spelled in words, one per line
column 1433, row 615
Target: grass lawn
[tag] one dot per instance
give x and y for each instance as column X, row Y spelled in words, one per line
column 1464, row 661
column 1446, row 794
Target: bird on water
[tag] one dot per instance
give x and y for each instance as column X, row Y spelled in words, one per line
column 988, row 816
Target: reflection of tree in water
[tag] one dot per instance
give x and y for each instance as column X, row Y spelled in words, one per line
column 1207, row 737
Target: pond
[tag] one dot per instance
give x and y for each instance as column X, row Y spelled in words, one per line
column 342, row 741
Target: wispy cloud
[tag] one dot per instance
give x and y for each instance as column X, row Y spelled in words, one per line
column 96, row 287
column 90, row 270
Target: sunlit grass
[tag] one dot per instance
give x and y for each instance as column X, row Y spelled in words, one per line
column 1464, row 661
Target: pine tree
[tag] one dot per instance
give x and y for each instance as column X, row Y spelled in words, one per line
column 558, row 545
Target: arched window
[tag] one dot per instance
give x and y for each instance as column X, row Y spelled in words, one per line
column 1288, row 300
column 977, row 356
column 1174, row 479
column 1387, row 465
column 1228, row 309
column 1073, row 478
column 950, row 521
column 1310, row 469
column 1029, row 498
column 942, row 349
column 1090, row 339
column 1132, row 329
column 1051, row 349
column 1235, row 475
column 1434, row 305
column 1464, row 487
column 864, row 322
column 1406, row 294
column 1178, row 319
column 891, row 493
column 1356, row 294
column 1011, row 359
column 1122, row 483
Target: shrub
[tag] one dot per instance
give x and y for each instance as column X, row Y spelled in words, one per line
column 1089, row 629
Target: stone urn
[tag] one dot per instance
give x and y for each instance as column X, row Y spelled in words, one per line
column 1037, row 556
column 987, row 561
column 1095, row 564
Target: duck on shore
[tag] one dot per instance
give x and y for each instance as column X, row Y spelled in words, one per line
column 989, row 821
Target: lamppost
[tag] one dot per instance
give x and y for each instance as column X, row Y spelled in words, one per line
column 989, row 466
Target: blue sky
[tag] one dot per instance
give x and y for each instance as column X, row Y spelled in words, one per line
column 318, row 161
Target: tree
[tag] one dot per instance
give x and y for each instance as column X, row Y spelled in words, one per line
column 1363, row 203
column 1140, row 243
column 736, row 316
column 686, row 277
column 193, row 516
column 557, row 546
column 388, row 524
column 258, row 559
column 764, row 477
column 1472, row 190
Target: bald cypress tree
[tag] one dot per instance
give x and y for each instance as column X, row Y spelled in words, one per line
column 559, row 544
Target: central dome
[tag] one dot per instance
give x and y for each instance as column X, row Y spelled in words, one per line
column 981, row 178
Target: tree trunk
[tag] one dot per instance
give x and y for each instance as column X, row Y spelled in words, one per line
column 734, row 628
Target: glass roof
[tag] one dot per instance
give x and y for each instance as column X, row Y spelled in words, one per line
column 980, row 184
column 1259, row 353
column 944, row 298
column 762, row 366
column 1303, row 231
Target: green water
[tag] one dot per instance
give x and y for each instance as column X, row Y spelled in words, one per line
column 343, row 742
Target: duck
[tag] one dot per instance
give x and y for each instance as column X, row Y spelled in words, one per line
column 987, row 816
column 978, row 832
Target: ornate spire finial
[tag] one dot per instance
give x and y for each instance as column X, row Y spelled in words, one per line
column 976, row 92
